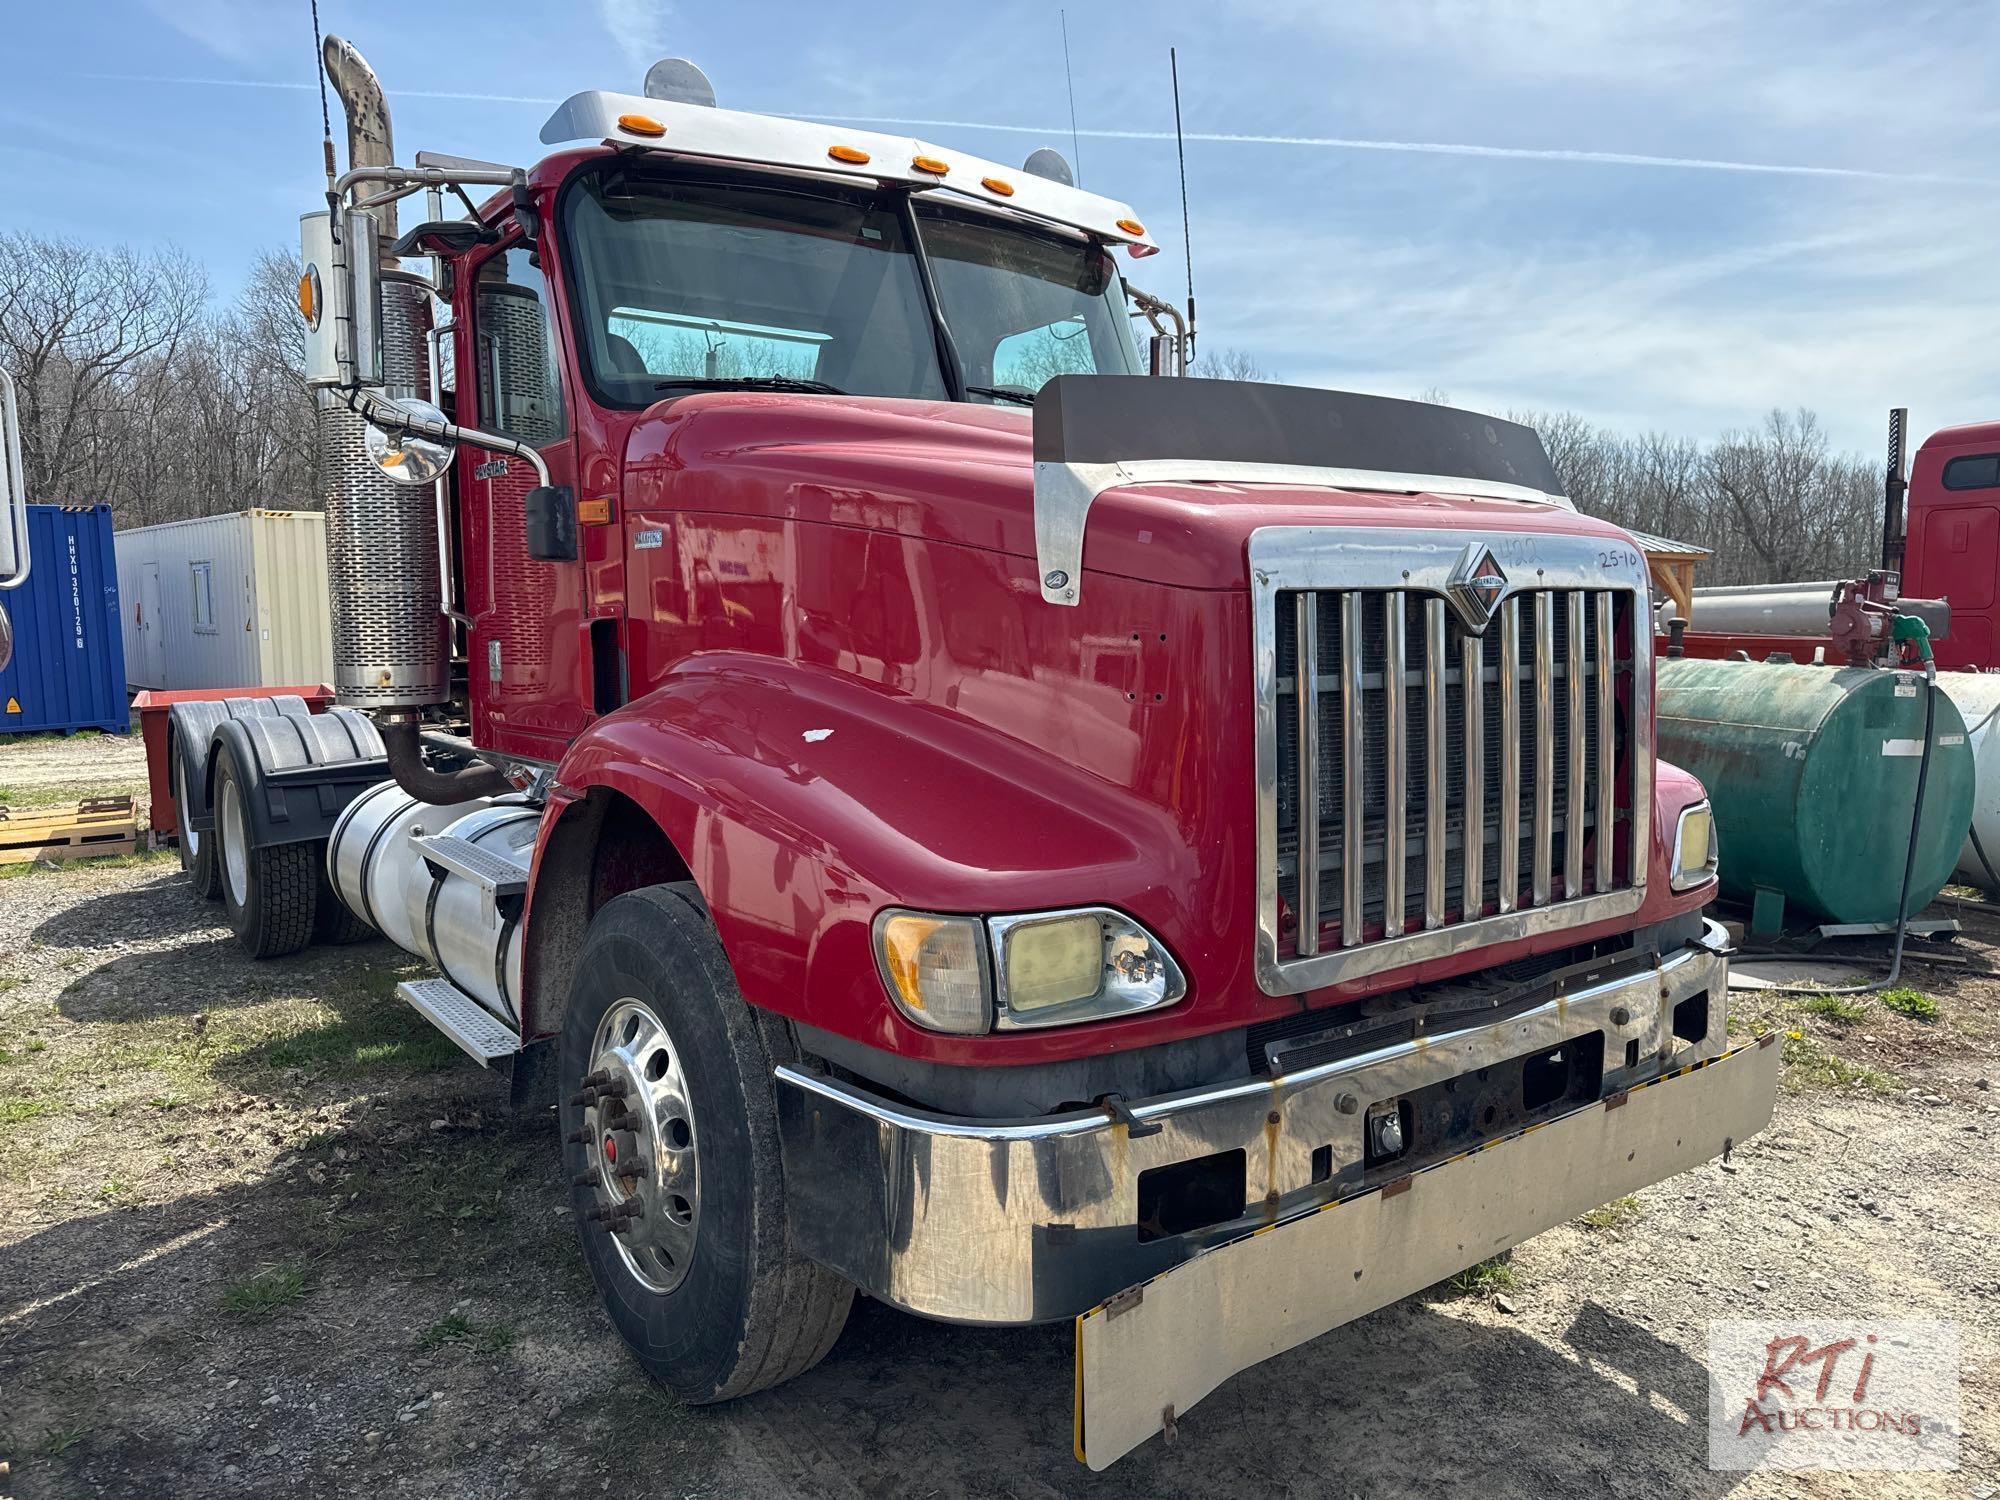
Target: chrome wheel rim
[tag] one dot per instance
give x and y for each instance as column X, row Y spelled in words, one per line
column 235, row 851
column 653, row 1200
column 190, row 840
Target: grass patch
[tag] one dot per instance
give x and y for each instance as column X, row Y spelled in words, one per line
column 1812, row 1065
column 1492, row 1275
column 264, row 1293
column 379, row 1033
column 58, row 1440
column 1912, row 1003
column 481, row 1338
column 16, row 1109
column 1842, row 1010
column 1615, row 1214
column 63, row 793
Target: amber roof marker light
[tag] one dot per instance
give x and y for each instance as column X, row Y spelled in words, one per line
column 644, row 125
column 852, row 155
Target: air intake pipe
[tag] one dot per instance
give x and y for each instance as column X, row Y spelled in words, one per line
column 402, row 739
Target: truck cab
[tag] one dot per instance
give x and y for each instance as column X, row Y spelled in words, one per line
column 947, row 807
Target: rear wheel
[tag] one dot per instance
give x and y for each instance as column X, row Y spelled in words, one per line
column 672, row 1147
column 197, row 850
column 268, row 893
column 334, row 922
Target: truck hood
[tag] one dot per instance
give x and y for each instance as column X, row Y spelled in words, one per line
column 964, row 474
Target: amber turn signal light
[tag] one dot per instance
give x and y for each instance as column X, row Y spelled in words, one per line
column 593, row 512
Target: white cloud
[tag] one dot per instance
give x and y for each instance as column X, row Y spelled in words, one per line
column 640, row 29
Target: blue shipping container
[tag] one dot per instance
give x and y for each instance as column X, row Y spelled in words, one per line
column 68, row 670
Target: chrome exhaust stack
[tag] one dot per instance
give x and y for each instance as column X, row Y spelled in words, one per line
column 391, row 647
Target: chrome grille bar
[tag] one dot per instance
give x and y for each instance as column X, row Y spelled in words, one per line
column 1307, row 677
column 1472, row 688
column 1607, row 741
column 1434, row 763
column 1545, row 741
column 1578, row 754
column 1510, row 755
column 1354, row 761
column 1395, row 761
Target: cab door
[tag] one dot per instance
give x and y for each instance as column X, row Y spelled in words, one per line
column 528, row 679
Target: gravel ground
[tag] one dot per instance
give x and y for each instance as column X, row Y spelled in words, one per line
column 263, row 1233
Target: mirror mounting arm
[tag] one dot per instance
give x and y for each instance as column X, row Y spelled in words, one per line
column 391, row 418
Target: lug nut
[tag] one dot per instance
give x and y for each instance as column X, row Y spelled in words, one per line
column 584, row 1179
column 596, row 1080
column 578, row 1137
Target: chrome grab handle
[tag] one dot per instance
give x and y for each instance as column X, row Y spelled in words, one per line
column 14, row 552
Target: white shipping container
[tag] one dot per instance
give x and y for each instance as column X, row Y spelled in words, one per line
column 226, row 601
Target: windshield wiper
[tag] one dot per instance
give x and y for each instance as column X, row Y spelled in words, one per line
column 1012, row 393
column 747, row 383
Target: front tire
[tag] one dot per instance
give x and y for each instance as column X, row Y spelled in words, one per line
column 671, row 1144
column 268, row 893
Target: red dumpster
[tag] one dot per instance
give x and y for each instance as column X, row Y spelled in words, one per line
column 153, row 708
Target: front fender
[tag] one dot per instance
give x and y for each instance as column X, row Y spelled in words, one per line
column 804, row 800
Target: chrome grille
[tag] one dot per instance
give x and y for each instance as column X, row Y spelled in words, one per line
column 1434, row 786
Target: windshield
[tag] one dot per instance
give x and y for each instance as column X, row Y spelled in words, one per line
column 699, row 281
column 1024, row 305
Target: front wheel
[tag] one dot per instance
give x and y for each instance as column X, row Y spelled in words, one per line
column 671, row 1142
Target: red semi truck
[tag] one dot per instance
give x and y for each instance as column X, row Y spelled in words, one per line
column 1940, row 558
column 941, row 811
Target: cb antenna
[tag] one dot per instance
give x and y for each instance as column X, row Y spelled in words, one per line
column 1187, row 240
column 325, row 120
column 1069, row 82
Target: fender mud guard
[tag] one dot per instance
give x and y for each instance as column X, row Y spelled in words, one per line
column 299, row 770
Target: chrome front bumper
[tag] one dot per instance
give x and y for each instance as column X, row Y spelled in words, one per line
column 1023, row 1221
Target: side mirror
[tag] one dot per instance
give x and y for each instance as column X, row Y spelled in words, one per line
column 413, row 455
column 551, row 523
column 14, row 559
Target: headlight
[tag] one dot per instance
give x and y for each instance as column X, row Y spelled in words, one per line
column 935, row 968
column 1058, row 968
column 962, row 975
column 1694, row 847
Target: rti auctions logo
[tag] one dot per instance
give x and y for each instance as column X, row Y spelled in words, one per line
column 1828, row 1395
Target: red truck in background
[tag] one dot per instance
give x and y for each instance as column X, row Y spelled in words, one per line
column 1940, row 558
column 943, row 812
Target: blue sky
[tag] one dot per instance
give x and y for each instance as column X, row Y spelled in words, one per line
column 1532, row 204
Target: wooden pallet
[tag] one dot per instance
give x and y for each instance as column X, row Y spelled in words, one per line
column 90, row 830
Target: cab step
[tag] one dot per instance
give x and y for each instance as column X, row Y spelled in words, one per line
column 478, row 1033
column 497, row 879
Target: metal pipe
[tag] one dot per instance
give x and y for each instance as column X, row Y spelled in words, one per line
column 370, row 142
column 1434, row 758
column 1395, row 760
column 402, row 739
column 1305, row 673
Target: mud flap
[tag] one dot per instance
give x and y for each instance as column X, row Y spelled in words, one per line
column 1147, row 1355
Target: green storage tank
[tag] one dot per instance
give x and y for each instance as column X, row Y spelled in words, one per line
column 1812, row 772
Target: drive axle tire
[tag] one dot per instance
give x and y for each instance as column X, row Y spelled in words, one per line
column 197, row 850
column 689, row 1247
column 268, row 893
column 334, row 922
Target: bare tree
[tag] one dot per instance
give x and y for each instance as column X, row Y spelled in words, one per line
column 76, row 322
column 1230, row 364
